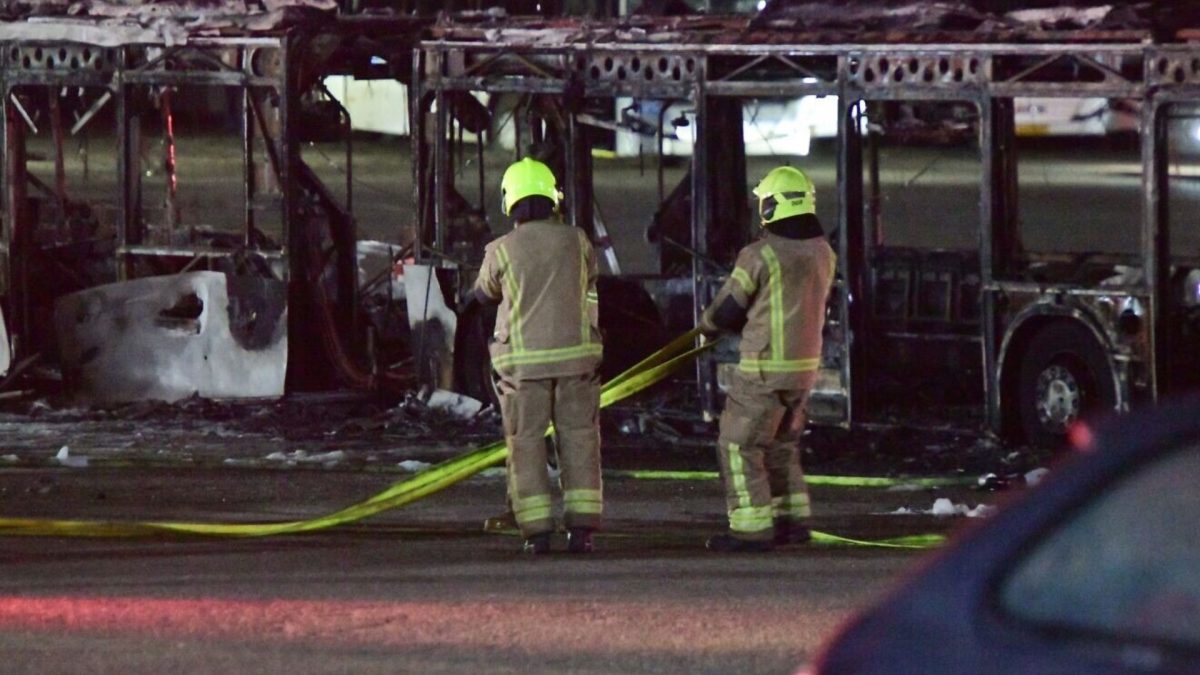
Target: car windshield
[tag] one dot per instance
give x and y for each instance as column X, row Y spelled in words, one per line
column 1126, row 565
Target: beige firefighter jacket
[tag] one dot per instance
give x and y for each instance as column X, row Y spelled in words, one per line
column 783, row 284
column 543, row 273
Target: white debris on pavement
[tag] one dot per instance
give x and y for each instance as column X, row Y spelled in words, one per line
column 413, row 465
column 10, row 459
column 65, row 458
column 302, row 457
column 239, row 461
column 449, row 402
column 943, row 507
column 494, row 472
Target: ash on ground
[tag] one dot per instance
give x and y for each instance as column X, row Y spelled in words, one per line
column 371, row 431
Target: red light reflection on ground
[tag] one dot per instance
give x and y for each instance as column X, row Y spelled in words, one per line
column 536, row 625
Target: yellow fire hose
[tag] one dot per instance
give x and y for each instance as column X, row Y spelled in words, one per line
column 645, row 374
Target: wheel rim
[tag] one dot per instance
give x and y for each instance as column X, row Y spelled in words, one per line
column 1059, row 398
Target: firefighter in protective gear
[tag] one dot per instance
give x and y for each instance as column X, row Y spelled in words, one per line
column 546, row 350
column 775, row 298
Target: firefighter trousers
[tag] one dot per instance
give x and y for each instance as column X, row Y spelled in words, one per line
column 759, row 453
column 572, row 404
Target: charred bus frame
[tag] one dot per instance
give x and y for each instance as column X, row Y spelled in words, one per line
column 308, row 229
column 1134, row 325
column 116, row 71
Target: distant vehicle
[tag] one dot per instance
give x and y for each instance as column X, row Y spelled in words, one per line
column 788, row 126
column 372, row 103
column 1096, row 570
column 770, row 127
column 1043, row 116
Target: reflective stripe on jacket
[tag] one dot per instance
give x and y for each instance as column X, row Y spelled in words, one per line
column 544, row 275
column 783, row 284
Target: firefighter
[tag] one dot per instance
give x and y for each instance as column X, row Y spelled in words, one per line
column 546, row 350
column 775, row 298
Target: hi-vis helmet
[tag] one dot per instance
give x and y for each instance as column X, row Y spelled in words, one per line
column 527, row 178
column 785, row 192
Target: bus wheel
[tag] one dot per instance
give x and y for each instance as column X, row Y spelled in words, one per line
column 1064, row 376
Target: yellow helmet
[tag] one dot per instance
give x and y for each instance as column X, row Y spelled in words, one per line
column 527, row 178
column 784, row 192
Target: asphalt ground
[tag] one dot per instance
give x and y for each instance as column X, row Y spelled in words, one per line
column 418, row 588
column 424, row 588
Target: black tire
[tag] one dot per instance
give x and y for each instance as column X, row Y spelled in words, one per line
column 1064, row 376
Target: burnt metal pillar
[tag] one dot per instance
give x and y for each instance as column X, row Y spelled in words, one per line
column 6, row 199
column 568, row 182
column 440, row 153
column 128, row 169
column 285, row 149
column 875, row 201
column 248, row 186
column 851, row 245
column 16, row 234
column 304, row 354
column 580, row 197
column 1155, row 240
column 59, row 140
column 995, row 228
column 419, row 150
column 706, row 369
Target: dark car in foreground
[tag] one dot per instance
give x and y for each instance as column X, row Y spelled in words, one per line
column 1096, row 570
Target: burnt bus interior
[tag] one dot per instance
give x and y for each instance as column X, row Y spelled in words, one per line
column 93, row 170
column 924, row 347
column 141, row 160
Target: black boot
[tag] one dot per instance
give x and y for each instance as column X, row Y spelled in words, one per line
column 727, row 543
column 579, row 540
column 789, row 531
column 538, row 544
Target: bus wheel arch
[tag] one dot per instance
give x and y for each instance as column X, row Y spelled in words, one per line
column 1056, row 369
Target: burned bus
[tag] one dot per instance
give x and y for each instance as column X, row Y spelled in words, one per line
column 989, row 277
column 169, row 227
column 985, row 280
